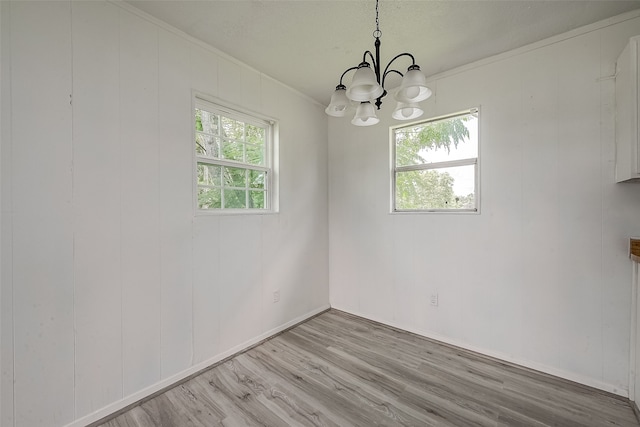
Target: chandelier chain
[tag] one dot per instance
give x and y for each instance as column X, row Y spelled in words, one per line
column 377, row 33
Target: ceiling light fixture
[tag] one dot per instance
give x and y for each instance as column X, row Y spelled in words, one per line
column 367, row 86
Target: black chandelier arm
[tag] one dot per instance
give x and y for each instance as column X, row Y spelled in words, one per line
column 389, row 72
column 413, row 61
column 373, row 60
column 345, row 72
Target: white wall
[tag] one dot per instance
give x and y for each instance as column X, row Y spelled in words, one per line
column 541, row 276
column 111, row 287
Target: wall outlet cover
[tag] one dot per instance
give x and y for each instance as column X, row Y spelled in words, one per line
column 434, row 299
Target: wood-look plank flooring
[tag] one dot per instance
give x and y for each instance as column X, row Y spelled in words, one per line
column 341, row 370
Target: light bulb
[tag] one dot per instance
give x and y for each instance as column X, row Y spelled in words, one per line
column 411, row 92
column 406, row 111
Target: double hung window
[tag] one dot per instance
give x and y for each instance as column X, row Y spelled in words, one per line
column 435, row 165
column 234, row 165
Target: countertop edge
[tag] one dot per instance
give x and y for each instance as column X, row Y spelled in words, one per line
column 634, row 249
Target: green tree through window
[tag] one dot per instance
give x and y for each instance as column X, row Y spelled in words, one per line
column 435, row 164
column 232, row 157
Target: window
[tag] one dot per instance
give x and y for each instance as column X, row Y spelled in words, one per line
column 435, row 165
column 233, row 160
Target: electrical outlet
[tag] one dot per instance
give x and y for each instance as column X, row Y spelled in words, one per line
column 276, row 295
column 434, row 300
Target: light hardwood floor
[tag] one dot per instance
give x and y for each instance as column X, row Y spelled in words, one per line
column 341, row 370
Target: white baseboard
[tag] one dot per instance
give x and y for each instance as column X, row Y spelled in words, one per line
column 590, row 382
column 174, row 379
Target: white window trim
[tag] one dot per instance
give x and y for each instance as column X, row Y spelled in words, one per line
column 203, row 101
column 437, row 165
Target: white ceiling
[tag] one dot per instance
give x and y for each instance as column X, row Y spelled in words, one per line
column 308, row 44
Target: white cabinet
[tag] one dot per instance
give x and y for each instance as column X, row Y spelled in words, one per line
column 627, row 112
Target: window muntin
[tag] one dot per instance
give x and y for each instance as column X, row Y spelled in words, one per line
column 435, row 165
column 233, row 160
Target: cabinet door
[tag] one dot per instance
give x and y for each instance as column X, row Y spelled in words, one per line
column 627, row 113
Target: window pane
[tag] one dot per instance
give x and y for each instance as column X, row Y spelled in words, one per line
column 232, row 129
column 444, row 188
column 209, row 174
column 207, row 122
column 227, row 149
column 255, row 154
column 256, row 179
column 209, row 198
column 207, row 145
column 235, row 177
column 201, row 149
column 233, row 151
column 235, row 199
column 256, row 199
column 454, row 138
column 255, row 135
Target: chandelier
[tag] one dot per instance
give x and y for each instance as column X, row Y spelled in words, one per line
column 368, row 85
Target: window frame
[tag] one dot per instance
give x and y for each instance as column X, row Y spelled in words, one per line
column 475, row 161
column 216, row 106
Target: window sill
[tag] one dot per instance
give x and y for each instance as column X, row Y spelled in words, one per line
column 223, row 212
column 439, row 211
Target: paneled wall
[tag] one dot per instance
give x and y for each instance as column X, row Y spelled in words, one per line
column 540, row 277
column 111, row 286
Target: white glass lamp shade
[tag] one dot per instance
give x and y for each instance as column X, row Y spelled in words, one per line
column 364, row 86
column 365, row 115
column 405, row 111
column 339, row 103
column 413, row 87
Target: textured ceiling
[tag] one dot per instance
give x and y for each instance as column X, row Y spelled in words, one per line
column 308, row 44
